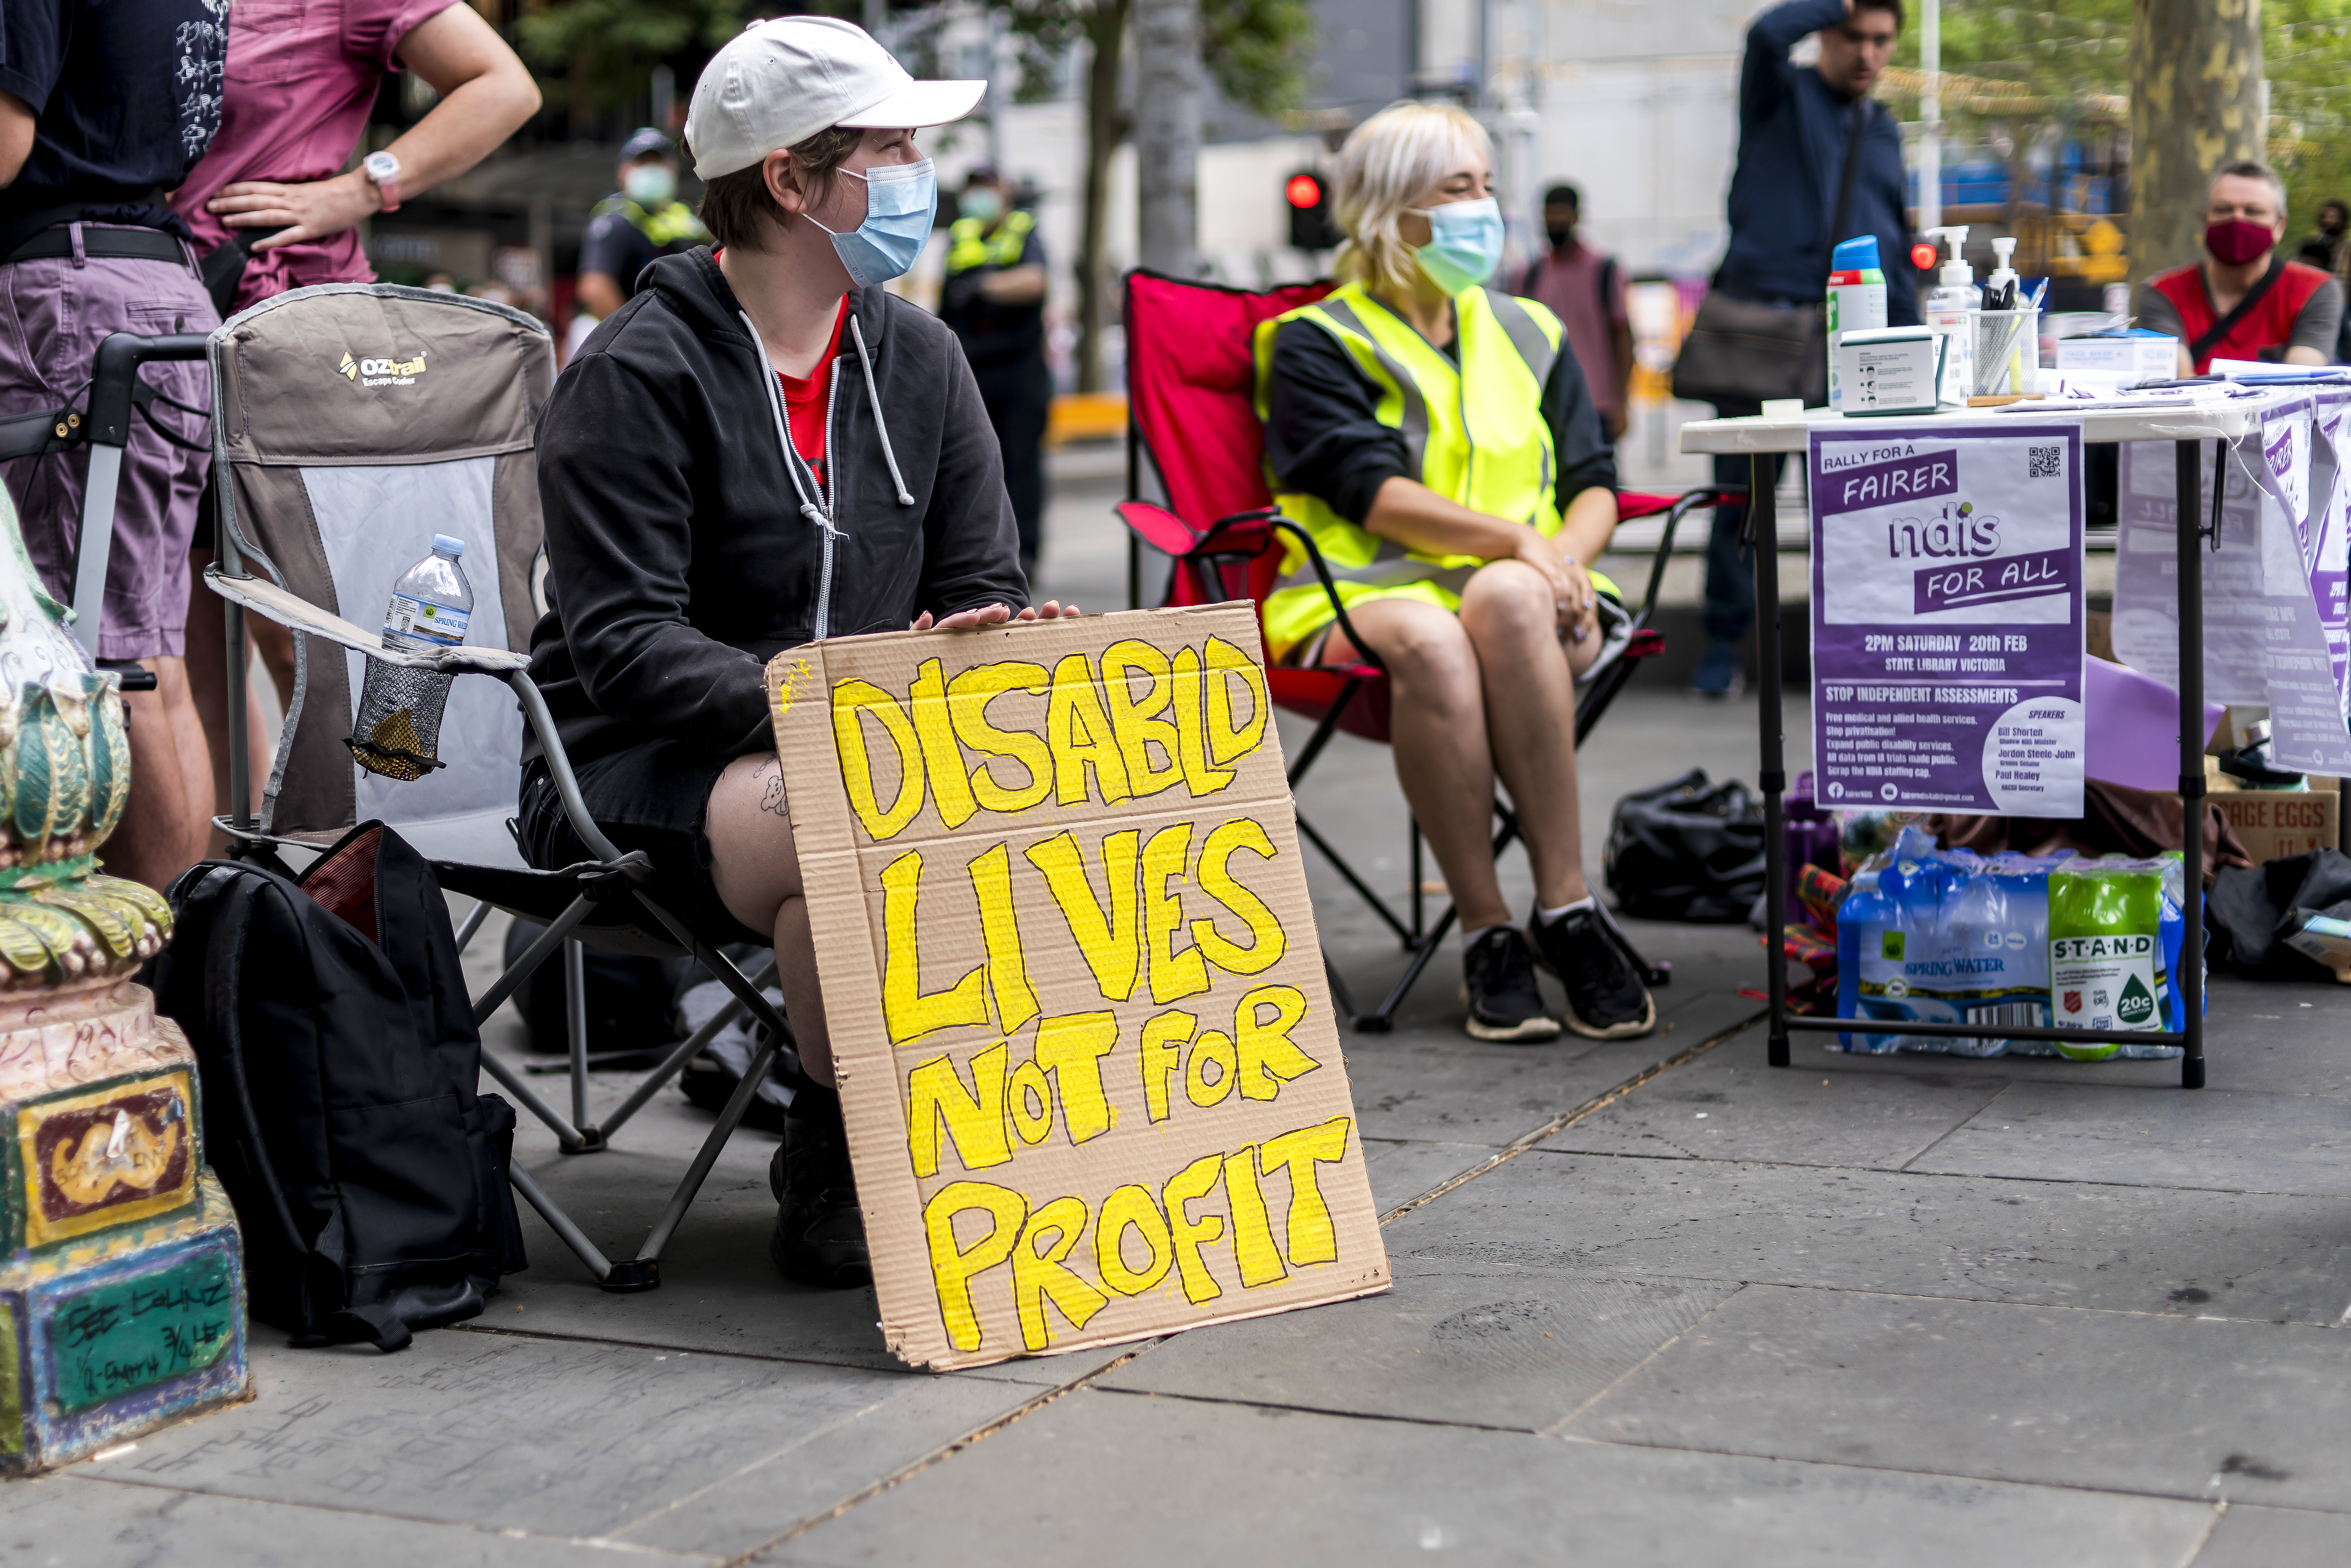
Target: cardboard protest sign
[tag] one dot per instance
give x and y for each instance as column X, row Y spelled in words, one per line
column 1086, row 1054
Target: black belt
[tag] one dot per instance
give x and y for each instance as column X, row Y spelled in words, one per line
column 123, row 244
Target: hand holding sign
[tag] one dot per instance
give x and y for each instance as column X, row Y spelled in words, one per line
column 1078, row 1020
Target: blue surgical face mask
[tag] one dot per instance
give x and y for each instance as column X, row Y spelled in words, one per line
column 901, row 200
column 981, row 204
column 1465, row 243
column 650, row 184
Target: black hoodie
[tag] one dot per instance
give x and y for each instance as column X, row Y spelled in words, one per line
column 679, row 560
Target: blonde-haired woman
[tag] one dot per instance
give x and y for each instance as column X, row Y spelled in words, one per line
column 1438, row 443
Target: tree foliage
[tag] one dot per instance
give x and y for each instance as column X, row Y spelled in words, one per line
column 607, row 48
column 2067, row 49
column 1255, row 50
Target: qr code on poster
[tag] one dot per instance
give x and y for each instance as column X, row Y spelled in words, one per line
column 2048, row 463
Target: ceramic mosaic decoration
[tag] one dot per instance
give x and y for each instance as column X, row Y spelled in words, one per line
column 121, row 1282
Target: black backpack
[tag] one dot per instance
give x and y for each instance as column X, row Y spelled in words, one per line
column 1687, row 849
column 337, row 1055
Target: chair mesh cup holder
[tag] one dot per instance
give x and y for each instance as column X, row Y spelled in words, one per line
column 398, row 730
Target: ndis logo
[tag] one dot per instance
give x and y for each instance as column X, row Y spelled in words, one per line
column 380, row 372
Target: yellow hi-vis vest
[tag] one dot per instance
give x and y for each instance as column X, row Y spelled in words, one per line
column 672, row 223
column 969, row 244
column 1475, row 435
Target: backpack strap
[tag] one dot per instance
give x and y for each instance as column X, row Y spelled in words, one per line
column 2212, row 336
column 225, row 966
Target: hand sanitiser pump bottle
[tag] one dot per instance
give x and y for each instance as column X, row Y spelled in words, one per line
column 1951, row 307
column 1856, row 301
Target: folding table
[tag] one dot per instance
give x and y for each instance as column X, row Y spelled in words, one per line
column 2185, row 424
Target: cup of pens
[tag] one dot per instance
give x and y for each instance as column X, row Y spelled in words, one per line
column 2008, row 353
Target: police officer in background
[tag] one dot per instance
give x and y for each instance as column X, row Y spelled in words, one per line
column 995, row 300
column 642, row 220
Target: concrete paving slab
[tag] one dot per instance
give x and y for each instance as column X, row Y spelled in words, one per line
column 505, row 1432
column 2201, row 1410
column 2127, row 1249
column 1133, row 1480
column 1485, row 1347
column 78, row 1519
column 2228, row 1140
column 1438, row 1085
column 821, row 1467
column 1729, row 1105
column 1402, row 1170
column 2250, row 1537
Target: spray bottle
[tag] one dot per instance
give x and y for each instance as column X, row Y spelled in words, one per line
column 1856, row 301
column 1951, row 307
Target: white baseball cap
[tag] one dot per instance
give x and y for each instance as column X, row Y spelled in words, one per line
column 780, row 82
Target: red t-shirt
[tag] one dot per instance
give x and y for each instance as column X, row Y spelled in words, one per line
column 2268, row 325
column 805, row 398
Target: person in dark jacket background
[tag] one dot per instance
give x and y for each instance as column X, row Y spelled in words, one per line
column 762, row 448
column 994, row 297
column 1795, row 124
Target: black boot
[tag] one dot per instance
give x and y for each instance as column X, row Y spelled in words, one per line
column 819, row 1231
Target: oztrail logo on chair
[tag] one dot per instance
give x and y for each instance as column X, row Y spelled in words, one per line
column 382, row 373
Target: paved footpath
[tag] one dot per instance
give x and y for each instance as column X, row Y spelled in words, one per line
column 1654, row 1303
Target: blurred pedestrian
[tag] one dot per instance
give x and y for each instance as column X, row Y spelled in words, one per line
column 104, row 106
column 642, row 220
column 1586, row 291
column 994, row 297
column 1811, row 144
column 2244, row 301
column 300, row 86
column 2321, row 250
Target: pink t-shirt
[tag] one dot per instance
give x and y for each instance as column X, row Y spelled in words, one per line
column 1571, row 287
column 302, row 76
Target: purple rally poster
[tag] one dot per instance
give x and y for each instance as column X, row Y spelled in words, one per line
column 1946, row 616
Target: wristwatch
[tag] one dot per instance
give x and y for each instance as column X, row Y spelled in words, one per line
column 383, row 168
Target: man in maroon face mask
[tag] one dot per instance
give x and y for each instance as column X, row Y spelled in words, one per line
column 2244, row 301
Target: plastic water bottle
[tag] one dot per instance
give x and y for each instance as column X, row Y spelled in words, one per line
column 432, row 603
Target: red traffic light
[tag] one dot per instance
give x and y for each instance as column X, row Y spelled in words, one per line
column 1304, row 191
column 1922, row 256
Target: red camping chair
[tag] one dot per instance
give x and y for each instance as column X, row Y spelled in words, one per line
column 1190, row 376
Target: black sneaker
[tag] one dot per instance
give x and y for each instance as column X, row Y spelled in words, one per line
column 819, row 1236
column 1605, row 997
column 1498, row 985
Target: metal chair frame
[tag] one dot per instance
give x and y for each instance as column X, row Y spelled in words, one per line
column 601, row 902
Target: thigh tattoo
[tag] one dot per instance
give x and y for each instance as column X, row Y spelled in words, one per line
column 771, row 796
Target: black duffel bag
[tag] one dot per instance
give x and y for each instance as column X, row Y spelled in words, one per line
column 1687, row 849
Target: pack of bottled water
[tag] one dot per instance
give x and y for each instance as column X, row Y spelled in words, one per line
column 2035, row 942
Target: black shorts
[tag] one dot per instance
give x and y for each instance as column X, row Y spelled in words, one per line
column 653, row 798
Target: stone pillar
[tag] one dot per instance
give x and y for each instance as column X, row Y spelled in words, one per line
column 122, row 1278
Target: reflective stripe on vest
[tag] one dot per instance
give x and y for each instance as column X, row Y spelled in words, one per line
column 969, row 246
column 1475, row 435
column 674, row 223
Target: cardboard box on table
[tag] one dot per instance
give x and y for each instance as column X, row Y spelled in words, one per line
column 1072, row 982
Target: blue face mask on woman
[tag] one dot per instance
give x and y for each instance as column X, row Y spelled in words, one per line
column 901, row 200
column 1465, row 243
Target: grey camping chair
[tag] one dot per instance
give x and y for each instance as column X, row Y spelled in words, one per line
column 352, row 422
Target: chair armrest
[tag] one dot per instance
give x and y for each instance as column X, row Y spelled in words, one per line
column 266, row 599
column 1330, row 589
